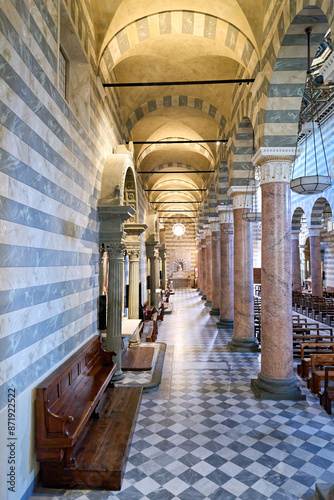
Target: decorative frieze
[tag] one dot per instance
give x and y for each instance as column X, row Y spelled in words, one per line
column 242, row 196
column 275, row 164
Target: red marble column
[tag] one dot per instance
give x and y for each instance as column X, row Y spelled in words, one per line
column 198, row 262
column 315, row 261
column 208, row 263
column 203, row 261
column 226, row 267
column 243, row 336
column 295, row 262
column 215, row 269
column 276, row 380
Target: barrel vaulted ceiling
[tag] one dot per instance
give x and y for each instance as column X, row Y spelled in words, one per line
column 177, row 40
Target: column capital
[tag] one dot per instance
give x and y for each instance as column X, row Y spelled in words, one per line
column 314, row 230
column 133, row 254
column 162, row 252
column 152, row 249
column 275, row 164
column 112, row 220
column 242, row 196
column 207, row 231
column 225, row 213
column 295, row 235
column 115, row 250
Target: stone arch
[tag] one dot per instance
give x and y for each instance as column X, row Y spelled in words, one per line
column 119, row 183
column 242, row 169
column 198, row 148
column 175, row 166
column 174, row 101
column 320, row 207
column 288, row 76
column 184, row 23
column 297, row 218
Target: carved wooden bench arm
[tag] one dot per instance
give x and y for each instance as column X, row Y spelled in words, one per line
column 56, row 424
column 106, row 356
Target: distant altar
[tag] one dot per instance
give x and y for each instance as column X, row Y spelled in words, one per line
column 181, row 279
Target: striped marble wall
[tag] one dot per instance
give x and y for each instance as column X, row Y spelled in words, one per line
column 50, row 168
column 242, row 171
column 181, row 244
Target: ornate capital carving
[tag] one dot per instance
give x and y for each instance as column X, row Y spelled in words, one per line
column 242, row 196
column 225, row 213
column 115, row 251
column 214, row 225
column 275, row 164
column 207, row 232
column 133, row 254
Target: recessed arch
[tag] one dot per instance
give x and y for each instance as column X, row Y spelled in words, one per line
column 297, row 216
column 321, row 209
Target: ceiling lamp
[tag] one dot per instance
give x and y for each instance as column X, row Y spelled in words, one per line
column 315, row 183
column 228, row 230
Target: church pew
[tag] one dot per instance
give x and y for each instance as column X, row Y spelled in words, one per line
column 70, row 410
column 327, row 395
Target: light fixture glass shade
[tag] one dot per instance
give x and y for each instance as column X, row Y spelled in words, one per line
column 252, row 216
column 228, row 230
column 310, row 184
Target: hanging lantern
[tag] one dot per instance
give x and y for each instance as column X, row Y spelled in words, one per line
column 315, row 183
column 228, row 230
column 252, row 216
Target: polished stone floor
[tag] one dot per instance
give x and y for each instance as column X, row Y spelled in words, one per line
column 204, row 435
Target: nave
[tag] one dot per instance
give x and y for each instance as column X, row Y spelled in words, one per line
column 203, row 435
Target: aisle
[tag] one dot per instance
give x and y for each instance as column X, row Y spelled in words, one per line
column 204, row 435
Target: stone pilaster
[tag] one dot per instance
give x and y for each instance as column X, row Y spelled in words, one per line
column 163, row 256
column 276, row 379
column 315, row 254
column 295, row 262
column 152, row 252
column 226, row 267
column 215, row 266
column 112, row 236
column 208, row 265
column 243, row 335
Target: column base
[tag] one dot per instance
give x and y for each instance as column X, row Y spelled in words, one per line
column 226, row 324
column 200, row 293
column 243, row 345
column 118, row 376
column 276, row 388
column 203, row 297
column 215, row 311
column 208, row 303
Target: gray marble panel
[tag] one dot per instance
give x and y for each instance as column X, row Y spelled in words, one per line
column 142, row 29
column 231, row 37
column 244, row 150
column 272, row 17
column 19, row 256
column 27, row 135
column 139, row 113
column 152, row 105
column 242, row 165
column 272, row 141
column 18, row 213
column 198, row 103
column 22, row 339
column 188, row 22
column 212, row 111
column 18, row 170
column 183, row 100
column 47, row 18
column 291, row 64
column 222, row 122
column 300, row 39
column 278, row 116
column 167, row 101
column 13, row 300
column 129, row 125
column 270, row 55
column 22, row 90
column 247, row 52
column 36, row 370
column 235, row 181
column 310, row 19
column 210, row 25
column 286, row 90
column 165, row 23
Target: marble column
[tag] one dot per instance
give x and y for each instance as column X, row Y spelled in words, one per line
column 276, row 380
column 243, row 335
column 198, row 262
column 163, row 255
column 295, row 262
column 153, row 254
column 111, row 234
column 226, row 267
column 208, row 265
column 215, row 266
column 314, row 233
column 203, row 261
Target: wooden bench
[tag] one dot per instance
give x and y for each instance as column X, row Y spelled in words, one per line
column 318, row 362
column 327, row 395
column 153, row 333
column 311, row 348
column 299, row 340
column 75, row 406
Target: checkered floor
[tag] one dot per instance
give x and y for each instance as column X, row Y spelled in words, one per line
column 204, row 435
